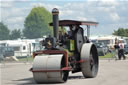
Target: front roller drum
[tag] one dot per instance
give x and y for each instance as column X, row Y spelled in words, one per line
column 47, row 69
column 90, row 56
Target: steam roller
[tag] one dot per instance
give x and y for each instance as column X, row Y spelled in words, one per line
column 65, row 52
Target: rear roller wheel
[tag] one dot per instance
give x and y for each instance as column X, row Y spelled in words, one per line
column 90, row 56
column 49, row 64
column 79, row 39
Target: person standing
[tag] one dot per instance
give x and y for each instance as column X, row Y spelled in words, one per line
column 121, row 50
column 116, row 49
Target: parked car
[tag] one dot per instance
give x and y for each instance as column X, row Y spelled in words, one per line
column 1, row 57
column 102, row 49
column 126, row 49
column 6, row 51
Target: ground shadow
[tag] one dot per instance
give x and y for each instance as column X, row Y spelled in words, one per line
column 75, row 77
column 31, row 80
column 26, row 81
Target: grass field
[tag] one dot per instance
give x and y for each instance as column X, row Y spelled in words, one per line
column 108, row 55
column 25, row 59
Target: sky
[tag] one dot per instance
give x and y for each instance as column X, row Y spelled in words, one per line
column 110, row 14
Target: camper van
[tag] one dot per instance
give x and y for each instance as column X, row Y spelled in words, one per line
column 110, row 40
column 22, row 47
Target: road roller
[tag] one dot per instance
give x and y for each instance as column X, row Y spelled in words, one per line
column 66, row 51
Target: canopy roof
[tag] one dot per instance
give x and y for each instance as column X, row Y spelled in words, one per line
column 74, row 22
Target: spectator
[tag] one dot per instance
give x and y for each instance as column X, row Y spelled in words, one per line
column 121, row 50
column 116, row 47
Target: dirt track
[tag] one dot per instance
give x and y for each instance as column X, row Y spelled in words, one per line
column 111, row 72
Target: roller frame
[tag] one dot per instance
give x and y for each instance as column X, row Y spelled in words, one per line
column 65, row 53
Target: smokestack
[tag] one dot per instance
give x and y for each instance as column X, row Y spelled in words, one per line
column 55, row 13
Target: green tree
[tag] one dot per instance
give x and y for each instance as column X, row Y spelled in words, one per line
column 15, row 34
column 4, row 32
column 37, row 23
column 121, row 32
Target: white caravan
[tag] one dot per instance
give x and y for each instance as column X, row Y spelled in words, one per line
column 22, row 47
column 110, row 40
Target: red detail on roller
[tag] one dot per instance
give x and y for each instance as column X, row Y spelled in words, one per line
column 81, row 61
column 63, row 69
column 66, row 69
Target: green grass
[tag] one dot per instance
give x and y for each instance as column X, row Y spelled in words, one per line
column 108, row 55
column 26, row 59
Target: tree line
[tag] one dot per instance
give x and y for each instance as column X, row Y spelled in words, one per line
column 121, row 32
column 36, row 25
column 6, row 34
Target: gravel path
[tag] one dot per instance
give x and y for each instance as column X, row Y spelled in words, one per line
column 111, row 72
